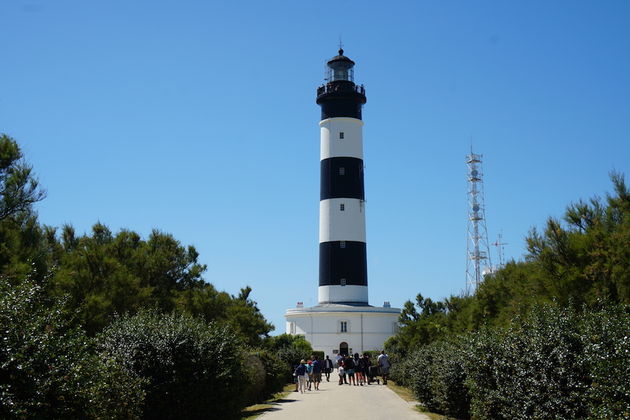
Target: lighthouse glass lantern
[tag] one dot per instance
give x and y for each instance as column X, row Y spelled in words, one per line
column 340, row 68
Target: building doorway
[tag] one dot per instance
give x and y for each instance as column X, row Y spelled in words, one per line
column 343, row 348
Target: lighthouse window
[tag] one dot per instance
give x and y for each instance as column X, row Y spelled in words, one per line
column 342, row 207
column 342, row 171
column 342, row 244
column 341, row 135
column 343, row 326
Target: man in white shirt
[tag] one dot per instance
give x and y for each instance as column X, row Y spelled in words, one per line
column 383, row 363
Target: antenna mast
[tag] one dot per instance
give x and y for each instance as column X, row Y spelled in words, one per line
column 477, row 248
column 500, row 249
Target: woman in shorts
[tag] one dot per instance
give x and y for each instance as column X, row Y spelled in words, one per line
column 348, row 364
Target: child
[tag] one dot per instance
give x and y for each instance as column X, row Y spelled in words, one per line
column 342, row 375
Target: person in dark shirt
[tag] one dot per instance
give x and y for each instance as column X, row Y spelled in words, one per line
column 317, row 372
column 328, row 367
column 348, row 364
column 358, row 368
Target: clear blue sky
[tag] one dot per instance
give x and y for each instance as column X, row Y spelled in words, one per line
column 199, row 118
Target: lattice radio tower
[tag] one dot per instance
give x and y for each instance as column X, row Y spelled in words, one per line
column 477, row 248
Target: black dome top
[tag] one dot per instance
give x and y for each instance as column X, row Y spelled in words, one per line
column 341, row 59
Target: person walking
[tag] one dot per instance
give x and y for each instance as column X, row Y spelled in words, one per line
column 328, row 367
column 384, row 364
column 309, row 372
column 348, row 365
column 317, row 372
column 301, row 375
column 358, row 368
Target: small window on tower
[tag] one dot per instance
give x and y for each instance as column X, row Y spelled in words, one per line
column 343, row 326
column 342, row 282
column 342, row 207
column 341, row 135
column 342, row 171
column 342, row 244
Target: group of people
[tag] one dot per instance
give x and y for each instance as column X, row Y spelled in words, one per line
column 357, row 370
column 309, row 374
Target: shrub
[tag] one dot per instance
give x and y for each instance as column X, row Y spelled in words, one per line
column 531, row 371
column 320, row 354
column 554, row 363
column 419, row 368
column 265, row 375
column 290, row 349
column 191, row 369
column 49, row 369
column 448, row 389
column 607, row 357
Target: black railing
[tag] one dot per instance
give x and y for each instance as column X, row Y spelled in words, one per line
column 340, row 87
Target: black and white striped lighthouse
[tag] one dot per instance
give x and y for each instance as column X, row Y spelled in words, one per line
column 342, row 242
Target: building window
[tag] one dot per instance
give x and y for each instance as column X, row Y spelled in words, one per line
column 342, row 244
column 342, row 207
column 343, row 326
column 292, row 328
column 342, row 171
column 342, row 282
column 341, row 135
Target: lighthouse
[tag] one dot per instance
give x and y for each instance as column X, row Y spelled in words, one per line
column 343, row 322
column 342, row 244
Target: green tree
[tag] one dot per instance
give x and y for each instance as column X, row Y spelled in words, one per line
column 23, row 247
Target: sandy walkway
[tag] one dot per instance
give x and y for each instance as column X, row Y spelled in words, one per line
column 345, row 402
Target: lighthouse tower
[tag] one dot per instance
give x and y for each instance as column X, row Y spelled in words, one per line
column 342, row 247
column 343, row 321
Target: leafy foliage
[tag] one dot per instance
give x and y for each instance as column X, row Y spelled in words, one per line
column 190, row 368
column 19, row 189
column 23, row 247
column 48, row 369
column 554, row 363
column 265, row 374
column 106, row 274
column 290, row 349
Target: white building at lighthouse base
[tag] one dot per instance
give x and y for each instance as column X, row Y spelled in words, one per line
column 338, row 328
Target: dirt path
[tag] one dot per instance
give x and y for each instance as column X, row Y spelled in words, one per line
column 345, row 402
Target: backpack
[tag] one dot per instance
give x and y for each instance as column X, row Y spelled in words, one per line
column 349, row 363
column 300, row 370
column 316, row 367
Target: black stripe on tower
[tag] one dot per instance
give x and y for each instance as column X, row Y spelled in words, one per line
column 342, row 260
column 341, row 177
column 341, row 98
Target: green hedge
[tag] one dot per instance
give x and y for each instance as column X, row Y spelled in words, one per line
column 554, row 363
column 190, row 369
column 49, row 368
column 265, row 374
